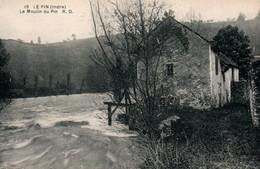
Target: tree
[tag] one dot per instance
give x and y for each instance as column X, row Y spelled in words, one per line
column 258, row 15
column 73, row 36
column 135, row 36
column 39, row 40
column 5, row 79
column 241, row 17
column 20, row 40
column 194, row 20
column 235, row 44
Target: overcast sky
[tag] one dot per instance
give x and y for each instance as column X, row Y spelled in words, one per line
column 57, row 27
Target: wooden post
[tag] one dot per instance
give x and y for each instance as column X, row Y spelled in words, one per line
column 109, row 115
column 126, row 107
column 162, row 90
column 173, row 128
column 24, row 87
column 130, row 123
column 36, row 85
column 68, row 84
column 82, row 83
column 50, row 82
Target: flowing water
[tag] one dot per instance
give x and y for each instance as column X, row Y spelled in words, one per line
column 63, row 132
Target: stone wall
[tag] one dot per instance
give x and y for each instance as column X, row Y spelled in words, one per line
column 255, row 93
column 193, row 81
column 190, row 82
column 255, row 103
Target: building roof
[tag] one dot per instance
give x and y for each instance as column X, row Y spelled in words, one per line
column 256, row 59
column 223, row 58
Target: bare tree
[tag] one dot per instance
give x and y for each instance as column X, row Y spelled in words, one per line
column 195, row 22
column 193, row 19
column 132, row 40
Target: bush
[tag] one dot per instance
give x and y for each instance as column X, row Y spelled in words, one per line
column 218, row 138
column 161, row 155
column 5, row 85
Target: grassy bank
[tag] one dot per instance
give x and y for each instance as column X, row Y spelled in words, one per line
column 220, row 138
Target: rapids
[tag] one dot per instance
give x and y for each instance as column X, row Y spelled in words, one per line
column 63, row 132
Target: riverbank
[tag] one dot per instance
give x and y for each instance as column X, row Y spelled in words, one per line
column 219, row 138
column 4, row 103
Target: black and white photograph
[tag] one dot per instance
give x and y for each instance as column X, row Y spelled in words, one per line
column 129, row 84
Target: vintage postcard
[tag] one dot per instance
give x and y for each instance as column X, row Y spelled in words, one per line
column 129, row 84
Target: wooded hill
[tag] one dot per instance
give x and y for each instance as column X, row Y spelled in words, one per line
column 58, row 60
column 73, row 57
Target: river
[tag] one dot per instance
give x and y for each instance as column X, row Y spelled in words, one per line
column 64, row 132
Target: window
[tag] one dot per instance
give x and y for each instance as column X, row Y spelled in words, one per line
column 224, row 78
column 170, row 69
column 216, row 65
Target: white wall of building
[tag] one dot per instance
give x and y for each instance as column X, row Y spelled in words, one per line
column 220, row 83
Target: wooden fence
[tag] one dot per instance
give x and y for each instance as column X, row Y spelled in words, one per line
column 33, row 87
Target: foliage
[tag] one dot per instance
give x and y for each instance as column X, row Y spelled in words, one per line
column 235, row 44
column 160, row 155
column 119, row 81
column 5, row 84
column 73, row 36
column 96, row 79
column 241, row 17
column 29, row 60
column 258, row 15
column 39, row 40
column 219, row 138
column 4, row 56
column 5, row 78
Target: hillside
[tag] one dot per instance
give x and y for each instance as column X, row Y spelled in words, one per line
column 72, row 57
column 57, row 59
column 250, row 28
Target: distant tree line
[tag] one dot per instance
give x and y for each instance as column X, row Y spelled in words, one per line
column 36, row 86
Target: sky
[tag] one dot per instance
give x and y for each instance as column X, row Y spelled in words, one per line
column 56, row 27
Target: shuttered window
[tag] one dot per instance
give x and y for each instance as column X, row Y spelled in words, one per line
column 216, row 65
column 233, row 74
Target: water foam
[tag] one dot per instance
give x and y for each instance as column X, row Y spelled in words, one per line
column 25, row 143
column 98, row 121
column 42, row 154
column 72, row 151
column 20, row 161
column 31, row 158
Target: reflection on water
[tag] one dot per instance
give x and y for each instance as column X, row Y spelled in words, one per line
column 63, row 131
